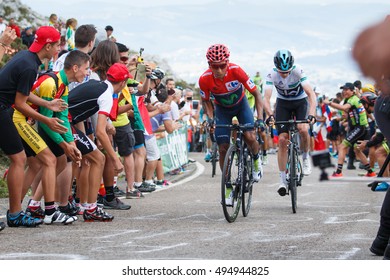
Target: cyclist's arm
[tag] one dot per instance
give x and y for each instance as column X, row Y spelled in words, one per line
column 259, row 103
column 267, row 101
column 209, row 109
column 312, row 98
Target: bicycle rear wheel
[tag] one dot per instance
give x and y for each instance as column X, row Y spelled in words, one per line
column 231, row 185
column 292, row 184
column 247, row 184
column 214, row 158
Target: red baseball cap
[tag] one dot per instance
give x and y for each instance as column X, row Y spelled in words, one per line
column 43, row 36
column 118, row 72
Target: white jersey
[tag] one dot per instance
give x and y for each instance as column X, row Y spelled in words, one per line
column 290, row 88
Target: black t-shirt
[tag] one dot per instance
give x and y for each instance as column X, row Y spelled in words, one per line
column 19, row 74
column 88, row 98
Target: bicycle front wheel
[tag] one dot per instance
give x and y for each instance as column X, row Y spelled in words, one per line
column 214, row 158
column 292, row 185
column 231, row 185
column 247, row 184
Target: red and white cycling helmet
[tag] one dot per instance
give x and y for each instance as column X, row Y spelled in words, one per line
column 217, row 53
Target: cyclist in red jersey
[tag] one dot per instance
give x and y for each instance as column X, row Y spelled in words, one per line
column 227, row 82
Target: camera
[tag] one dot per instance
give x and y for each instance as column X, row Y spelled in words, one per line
column 321, row 159
column 140, row 58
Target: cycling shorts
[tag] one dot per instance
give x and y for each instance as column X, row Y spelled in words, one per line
column 10, row 141
column 225, row 115
column 83, row 142
column 285, row 109
column 53, row 146
column 33, row 142
column 356, row 133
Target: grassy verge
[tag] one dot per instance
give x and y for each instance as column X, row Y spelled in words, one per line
column 4, row 163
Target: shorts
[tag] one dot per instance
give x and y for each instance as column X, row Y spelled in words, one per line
column 356, row 133
column 285, row 109
column 224, row 115
column 83, row 142
column 10, row 141
column 124, row 140
column 152, row 150
column 53, row 146
column 32, row 141
column 139, row 138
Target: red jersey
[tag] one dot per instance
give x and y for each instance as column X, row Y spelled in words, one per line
column 229, row 91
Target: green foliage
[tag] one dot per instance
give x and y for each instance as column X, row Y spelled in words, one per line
column 17, row 45
column 3, row 189
column 7, row 11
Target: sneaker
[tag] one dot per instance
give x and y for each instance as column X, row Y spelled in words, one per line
column 35, row 213
column 257, row 171
column 282, row 190
column 100, row 199
column 370, row 174
column 337, row 175
column 379, row 244
column 382, row 187
column 147, row 187
column 118, row 192
column 265, row 160
column 229, row 197
column 116, row 203
column 59, row 218
column 163, row 183
column 207, row 157
column 80, row 208
column 69, row 209
column 22, row 220
column 98, row 215
column 134, row 194
column 306, row 168
column 2, row 226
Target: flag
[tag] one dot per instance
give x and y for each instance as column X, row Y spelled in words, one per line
column 328, row 116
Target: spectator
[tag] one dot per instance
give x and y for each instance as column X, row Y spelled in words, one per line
column 28, row 36
column 109, row 31
column 14, row 26
column 16, row 80
column 53, row 21
column 2, row 25
column 71, row 25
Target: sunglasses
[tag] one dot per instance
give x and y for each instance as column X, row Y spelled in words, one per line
column 124, row 58
column 284, row 72
column 218, row 66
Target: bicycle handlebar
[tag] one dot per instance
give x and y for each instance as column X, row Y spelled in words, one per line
column 292, row 122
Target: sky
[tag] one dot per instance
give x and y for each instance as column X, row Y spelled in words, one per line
column 320, row 34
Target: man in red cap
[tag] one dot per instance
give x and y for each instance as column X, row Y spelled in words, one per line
column 16, row 80
column 84, row 101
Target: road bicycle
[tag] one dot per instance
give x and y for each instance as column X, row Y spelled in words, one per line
column 294, row 174
column 237, row 180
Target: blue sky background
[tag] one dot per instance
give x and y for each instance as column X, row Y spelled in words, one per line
column 319, row 33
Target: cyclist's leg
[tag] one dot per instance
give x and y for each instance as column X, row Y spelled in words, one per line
column 282, row 113
column 301, row 113
column 222, row 135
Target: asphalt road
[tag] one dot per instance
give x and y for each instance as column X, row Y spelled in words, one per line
column 334, row 221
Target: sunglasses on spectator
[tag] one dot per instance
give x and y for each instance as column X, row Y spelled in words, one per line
column 124, row 58
column 218, row 66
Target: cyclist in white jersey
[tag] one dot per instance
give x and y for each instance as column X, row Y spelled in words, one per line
column 294, row 96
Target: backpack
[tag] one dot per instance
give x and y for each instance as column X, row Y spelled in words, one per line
column 42, row 76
